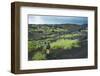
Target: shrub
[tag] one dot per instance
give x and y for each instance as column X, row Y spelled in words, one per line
column 64, row 44
column 39, row 56
column 32, row 45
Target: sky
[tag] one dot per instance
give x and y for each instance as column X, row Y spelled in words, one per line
column 33, row 19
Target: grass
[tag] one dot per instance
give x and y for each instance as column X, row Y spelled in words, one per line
column 64, row 44
column 71, row 35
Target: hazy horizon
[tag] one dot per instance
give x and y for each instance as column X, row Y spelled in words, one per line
column 33, row 19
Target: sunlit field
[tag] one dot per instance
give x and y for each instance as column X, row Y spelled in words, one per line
column 64, row 44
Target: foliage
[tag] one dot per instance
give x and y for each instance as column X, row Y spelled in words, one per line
column 35, row 45
column 64, row 44
column 32, row 45
column 39, row 56
column 71, row 35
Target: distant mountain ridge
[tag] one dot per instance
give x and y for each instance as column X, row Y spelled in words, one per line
column 63, row 26
column 56, row 24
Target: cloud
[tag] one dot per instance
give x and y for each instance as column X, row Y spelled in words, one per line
column 57, row 20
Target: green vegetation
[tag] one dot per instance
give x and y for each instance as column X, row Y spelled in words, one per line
column 31, row 46
column 43, row 37
column 65, row 44
column 39, row 56
column 71, row 35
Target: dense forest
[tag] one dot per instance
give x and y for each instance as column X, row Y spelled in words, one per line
column 57, row 41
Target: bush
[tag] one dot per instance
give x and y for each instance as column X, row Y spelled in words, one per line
column 64, row 44
column 32, row 45
column 39, row 56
